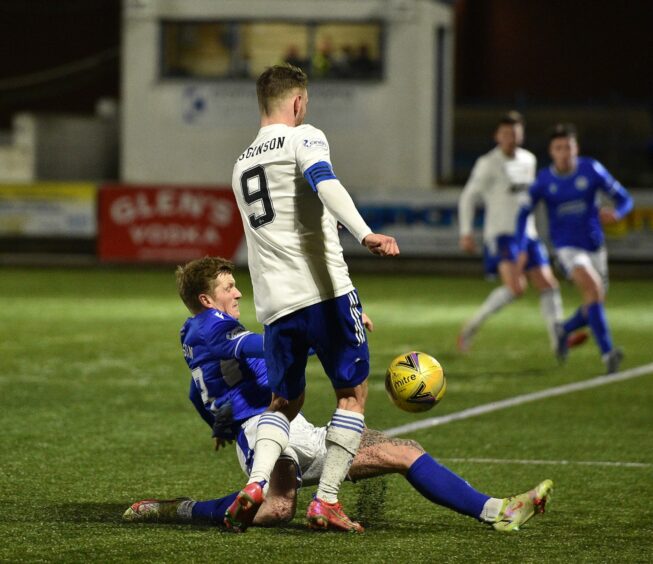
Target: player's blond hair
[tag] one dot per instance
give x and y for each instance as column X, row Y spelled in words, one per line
column 275, row 82
column 199, row 277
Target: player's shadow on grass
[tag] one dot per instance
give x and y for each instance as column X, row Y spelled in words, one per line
column 87, row 512
column 111, row 514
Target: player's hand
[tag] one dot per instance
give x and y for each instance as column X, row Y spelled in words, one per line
column 608, row 216
column 467, row 244
column 224, row 427
column 219, row 443
column 381, row 245
column 369, row 325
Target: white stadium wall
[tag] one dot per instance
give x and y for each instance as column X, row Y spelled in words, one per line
column 385, row 135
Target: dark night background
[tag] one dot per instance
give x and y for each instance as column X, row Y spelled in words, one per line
column 62, row 55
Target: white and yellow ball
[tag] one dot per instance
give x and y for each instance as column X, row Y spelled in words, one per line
column 415, row 382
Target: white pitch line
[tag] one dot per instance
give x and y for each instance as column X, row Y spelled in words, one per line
column 519, row 400
column 550, row 462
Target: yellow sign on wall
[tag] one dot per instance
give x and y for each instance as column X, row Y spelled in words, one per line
column 48, row 209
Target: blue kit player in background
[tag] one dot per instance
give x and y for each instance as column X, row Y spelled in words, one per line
column 291, row 201
column 229, row 389
column 571, row 188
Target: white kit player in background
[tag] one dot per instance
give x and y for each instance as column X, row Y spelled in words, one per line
column 291, row 201
column 499, row 179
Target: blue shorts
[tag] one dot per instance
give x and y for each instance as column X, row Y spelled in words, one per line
column 333, row 329
column 506, row 247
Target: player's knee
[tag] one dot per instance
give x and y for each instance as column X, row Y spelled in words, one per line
column 593, row 291
column 406, row 454
column 545, row 282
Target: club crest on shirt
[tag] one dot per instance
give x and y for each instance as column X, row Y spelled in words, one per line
column 581, row 183
column 553, row 188
column 320, row 143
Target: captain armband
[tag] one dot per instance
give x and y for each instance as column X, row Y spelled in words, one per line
column 319, row 172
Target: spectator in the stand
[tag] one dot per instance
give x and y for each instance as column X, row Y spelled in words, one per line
column 364, row 65
column 293, row 57
column 322, row 64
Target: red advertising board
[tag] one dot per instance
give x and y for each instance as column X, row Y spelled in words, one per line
column 167, row 223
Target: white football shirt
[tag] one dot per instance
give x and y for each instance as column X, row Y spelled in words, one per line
column 502, row 184
column 294, row 253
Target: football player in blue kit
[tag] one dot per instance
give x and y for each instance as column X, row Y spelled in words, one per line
column 571, row 188
column 230, row 391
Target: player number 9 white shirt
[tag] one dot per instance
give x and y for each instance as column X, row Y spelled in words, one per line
column 293, row 249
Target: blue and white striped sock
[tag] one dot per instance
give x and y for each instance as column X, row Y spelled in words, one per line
column 342, row 439
column 272, row 434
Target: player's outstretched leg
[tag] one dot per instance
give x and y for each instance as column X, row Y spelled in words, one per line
column 518, row 509
column 240, row 514
column 322, row 516
column 157, row 510
column 496, row 300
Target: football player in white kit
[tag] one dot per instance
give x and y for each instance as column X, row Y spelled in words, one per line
column 500, row 178
column 290, row 202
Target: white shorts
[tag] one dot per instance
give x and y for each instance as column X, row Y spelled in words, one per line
column 572, row 257
column 306, row 448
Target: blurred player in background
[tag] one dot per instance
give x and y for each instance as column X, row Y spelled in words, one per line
column 290, row 201
column 499, row 179
column 570, row 188
column 229, row 389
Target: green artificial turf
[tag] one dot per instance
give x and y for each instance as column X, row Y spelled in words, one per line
column 94, row 415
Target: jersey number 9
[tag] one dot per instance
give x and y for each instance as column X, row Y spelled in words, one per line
column 255, row 188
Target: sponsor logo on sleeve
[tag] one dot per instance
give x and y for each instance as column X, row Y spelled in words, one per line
column 315, row 143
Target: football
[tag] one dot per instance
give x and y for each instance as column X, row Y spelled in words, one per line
column 415, row 382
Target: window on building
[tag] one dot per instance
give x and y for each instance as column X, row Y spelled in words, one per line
column 232, row 50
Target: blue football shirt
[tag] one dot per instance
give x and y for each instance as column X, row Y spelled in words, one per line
column 572, row 203
column 213, row 343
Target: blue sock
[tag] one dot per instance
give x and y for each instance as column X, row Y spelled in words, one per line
column 599, row 325
column 440, row 485
column 576, row 321
column 213, row 510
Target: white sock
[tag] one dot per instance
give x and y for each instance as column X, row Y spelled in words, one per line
column 342, row 439
column 497, row 299
column 551, row 307
column 185, row 509
column 491, row 510
column 271, row 440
